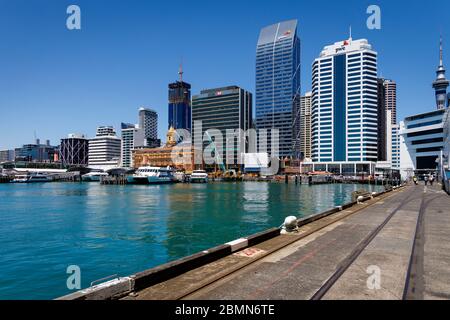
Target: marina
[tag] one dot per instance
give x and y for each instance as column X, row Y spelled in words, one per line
column 117, row 229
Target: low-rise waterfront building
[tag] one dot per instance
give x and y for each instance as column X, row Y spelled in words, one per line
column 341, row 168
column 422, row 140
column 37, row 152
column 179, row 156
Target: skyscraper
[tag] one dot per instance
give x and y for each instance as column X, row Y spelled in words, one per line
column 390, row 88
column 148, row 127
column 387, row 103
column 129, row 132
column 278, row 84
column 180, row 104
column 441, row 84
column 382, row 124
column 344, row 103
column 305, row 125
column 144, row 134
column 226, row 108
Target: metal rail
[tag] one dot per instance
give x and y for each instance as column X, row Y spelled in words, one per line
column 262, row 256
column 414, row 285
column 345, row 264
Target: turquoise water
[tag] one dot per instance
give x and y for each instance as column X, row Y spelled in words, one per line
column 121, row 230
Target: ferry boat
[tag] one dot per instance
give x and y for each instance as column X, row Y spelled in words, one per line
column 32, row 177
column 93, row 176
column 199, row 176
column 152, row 175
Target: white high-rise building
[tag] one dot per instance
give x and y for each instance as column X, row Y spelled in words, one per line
column 144, row 134
column 305, row 126
column 344, row 103
column 104, row 149
column 129, row 133
column 392, row 141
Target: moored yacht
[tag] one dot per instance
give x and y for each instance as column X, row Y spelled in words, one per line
column 152, row 175
column 199, row 176
column 32, row 177
column 93, row 176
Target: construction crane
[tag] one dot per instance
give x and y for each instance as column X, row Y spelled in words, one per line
column 218, row 157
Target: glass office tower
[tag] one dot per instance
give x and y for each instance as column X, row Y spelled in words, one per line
column 278, row 85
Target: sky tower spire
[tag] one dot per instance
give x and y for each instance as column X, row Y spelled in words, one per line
column 441, row 83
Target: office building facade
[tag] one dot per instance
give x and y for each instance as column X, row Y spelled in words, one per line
column 278, row 85
column 129, row 133
column 305, row 126
column 445, row 157
column 104, row 149
column 7, row 155
column 345, row 103
column 395, row 147
column 226, row 108
column 390, row 88
column 74, row 150
column 148, row 126
column 422, row 139
column 141, row 135
column 37, row 152
column 382, row 124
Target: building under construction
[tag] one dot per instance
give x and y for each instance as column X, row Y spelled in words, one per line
column 74, row 150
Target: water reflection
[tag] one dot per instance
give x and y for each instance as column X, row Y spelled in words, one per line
column 126, row 229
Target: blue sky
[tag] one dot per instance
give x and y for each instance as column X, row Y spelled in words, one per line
column 54, row 81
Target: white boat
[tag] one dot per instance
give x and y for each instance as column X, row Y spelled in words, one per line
column 20, row 179
column 199, row 176
column 180, row 176
column 152, row 175
column 32, row 177
column 93, row 176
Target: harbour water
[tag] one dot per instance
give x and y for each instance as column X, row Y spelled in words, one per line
column 108, row 229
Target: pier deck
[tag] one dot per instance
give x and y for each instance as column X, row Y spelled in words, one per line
column 393, row 247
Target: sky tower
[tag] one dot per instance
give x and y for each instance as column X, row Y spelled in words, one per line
column 441, row 84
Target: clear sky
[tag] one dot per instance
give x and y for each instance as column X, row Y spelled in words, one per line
column 54, row 81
